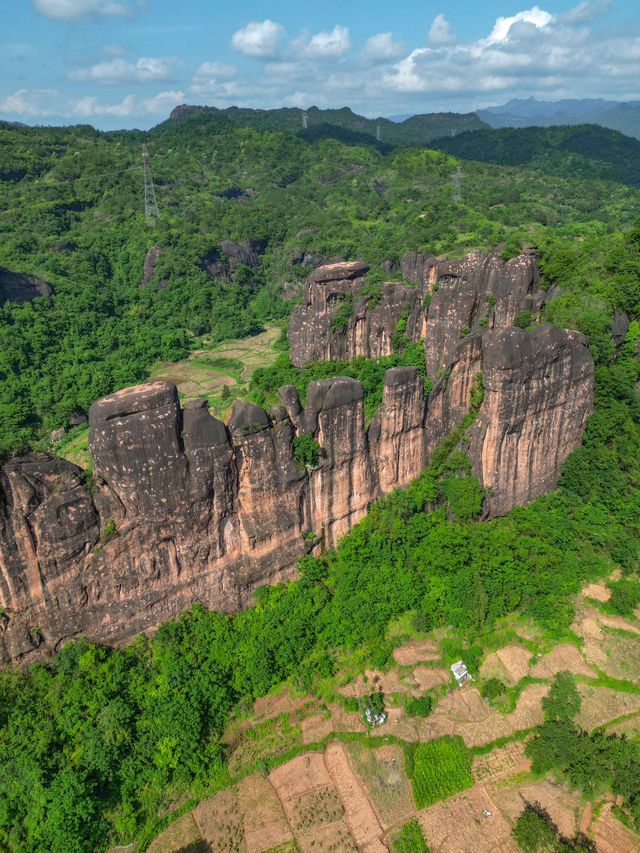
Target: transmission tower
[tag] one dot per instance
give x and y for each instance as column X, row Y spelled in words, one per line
column 305, row 121
column 458, row 178
column 150, row 203
column 453, row 131
column 378, row 133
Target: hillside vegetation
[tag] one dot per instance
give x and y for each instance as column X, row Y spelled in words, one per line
column 71, row 213
column 99, row 746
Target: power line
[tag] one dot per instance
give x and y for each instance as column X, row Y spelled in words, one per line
column 150, row 203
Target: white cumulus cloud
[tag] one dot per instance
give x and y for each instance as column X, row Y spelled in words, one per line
column 502, row 27
column 325, row 45
column 91, row 106
column 69, row 10
column 37, row 102
column 259, row 39
column 440, row 31
column 147, row 69
column 382, row 47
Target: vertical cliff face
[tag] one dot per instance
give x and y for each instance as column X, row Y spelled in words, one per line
column 450, row 399
column 477, row 290
column 538, row 394
column 337, row 320
column 204, row 511
column 396, row 434
column 449, row 299
column 186, row 508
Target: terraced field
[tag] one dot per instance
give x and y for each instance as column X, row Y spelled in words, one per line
column 309, row 775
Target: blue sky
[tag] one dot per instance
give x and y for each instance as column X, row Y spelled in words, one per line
column 127, row 63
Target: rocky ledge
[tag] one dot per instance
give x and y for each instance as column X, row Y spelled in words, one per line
column 440, row 301
column 185, row 508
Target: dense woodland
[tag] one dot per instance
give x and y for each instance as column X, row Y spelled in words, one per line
column 95, row 744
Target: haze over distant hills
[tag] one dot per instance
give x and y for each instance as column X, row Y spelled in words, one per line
column 527, row 112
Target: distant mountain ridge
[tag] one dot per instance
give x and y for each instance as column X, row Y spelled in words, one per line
column 414, row 130
column 528, row 112
column 582, row 150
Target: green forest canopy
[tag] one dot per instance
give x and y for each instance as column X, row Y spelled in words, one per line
column 95, row 743
column 71, row 213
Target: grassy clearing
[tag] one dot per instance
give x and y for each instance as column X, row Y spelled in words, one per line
column 75, row 447
column 441, row 768
column 210, row 368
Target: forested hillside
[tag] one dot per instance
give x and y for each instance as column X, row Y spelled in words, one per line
column 583, row 151
column 72, row 215
column 416, row 130
column 104, row 746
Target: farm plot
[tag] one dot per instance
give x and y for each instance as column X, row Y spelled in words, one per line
column 441, row 768
column 219, row 822
column 602, row 704
column 381, row 773
column 500, row 763
column 264, row 822
column 510, row 663
column 312, row 804
column 467, row 823
column 610, row 835
column 360, row 817
column 182, row 834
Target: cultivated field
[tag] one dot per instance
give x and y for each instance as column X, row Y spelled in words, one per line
column 309, row 776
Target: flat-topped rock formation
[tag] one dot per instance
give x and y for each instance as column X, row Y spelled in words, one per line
column 440, row 302
column 185, row 508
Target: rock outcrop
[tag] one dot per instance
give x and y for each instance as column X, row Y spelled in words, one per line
column 338, row 319
column 150, row 263
column 20, row 288
column 231, row 256
column 538, row 394
column 185, row 508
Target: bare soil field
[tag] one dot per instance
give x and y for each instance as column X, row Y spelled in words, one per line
column 602, row 704
column 598, row 591
column 610, row 835
column 312, row 804
column 622, row 652
column 502, row 762
column 562, row 657
column 182, row 833
column 219, row 822
column 360, row 816
column 510, row 663
column 265, row 824
column 427, row 677
column 415, row 652
column 460, row 825
column 563, row 805
column 315, row 728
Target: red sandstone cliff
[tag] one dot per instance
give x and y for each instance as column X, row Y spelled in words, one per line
column 206, row 511
column 448, row 300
